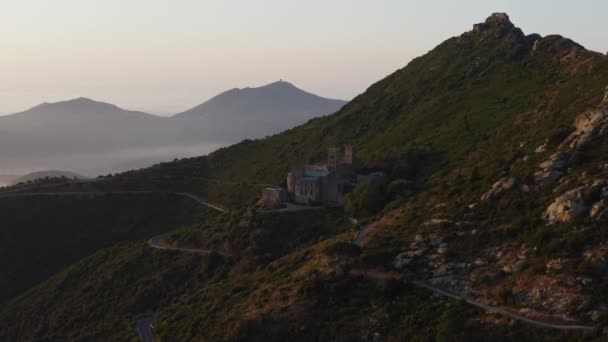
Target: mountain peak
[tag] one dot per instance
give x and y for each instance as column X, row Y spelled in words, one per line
column 80, row 106
column 498, row 17
column 83, row 100
column 496, row 21
column 279, row 84
column 80, row 101
column 277, row 100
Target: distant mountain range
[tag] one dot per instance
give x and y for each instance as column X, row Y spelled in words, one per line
column 94, row 137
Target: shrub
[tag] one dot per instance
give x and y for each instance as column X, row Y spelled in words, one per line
column 506, row 295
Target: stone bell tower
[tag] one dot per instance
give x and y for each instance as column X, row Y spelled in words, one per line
column 349, row 155
column 333, row 158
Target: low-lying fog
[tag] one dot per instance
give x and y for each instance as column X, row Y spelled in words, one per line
column 92, row 165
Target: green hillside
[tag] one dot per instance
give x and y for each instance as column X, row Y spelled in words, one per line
column 495, row 146
column 266, row 291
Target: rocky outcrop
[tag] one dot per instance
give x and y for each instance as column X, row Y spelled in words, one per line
column 559, row 46
column 499, row 188
column 555, row 265
column 402, row 260
column 586, row 126
column 541, row 149
column 499, row 26
column 515, row 267
column 500, row 20
column 599, row 210
column 567, row 207
column 551, row 169
column 437, row 221
column 571, row 56
column 585, row 199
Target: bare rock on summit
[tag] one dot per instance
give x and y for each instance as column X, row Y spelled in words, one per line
column 500, row 20
column 498, row 25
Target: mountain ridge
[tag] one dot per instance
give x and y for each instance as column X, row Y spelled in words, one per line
column 278, row 91
column 77, row 105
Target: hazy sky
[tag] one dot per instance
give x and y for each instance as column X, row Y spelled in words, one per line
column 166, row 56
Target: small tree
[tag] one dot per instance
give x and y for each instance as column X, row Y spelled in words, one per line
column 366, row 200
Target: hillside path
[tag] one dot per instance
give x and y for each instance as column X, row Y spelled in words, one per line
column 145, row 328
column 503, row 312
column 383, row 275
column 362, row 233
column 157, row 243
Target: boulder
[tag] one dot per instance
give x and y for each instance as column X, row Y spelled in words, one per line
column 519, row 265
column 416, row 253
column 555, row 265
column 480, row 262
column 499, row 188
column 401, row 260
column 515, row 267
column 540, row 149
column 599, row 210
column 436, row 221
column 571, row 204
column 566, row 207
column 586, row 125
column 442, row 249
column 536, row 45
column 552, row 169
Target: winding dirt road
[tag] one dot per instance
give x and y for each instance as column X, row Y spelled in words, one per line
column 157, row 243
column 145, row 329
column 503, row 312
column 377, row 274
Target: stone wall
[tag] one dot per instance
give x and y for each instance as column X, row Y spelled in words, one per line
column 273, row 198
